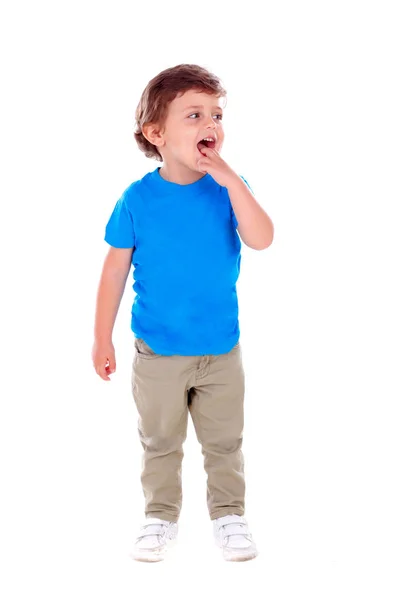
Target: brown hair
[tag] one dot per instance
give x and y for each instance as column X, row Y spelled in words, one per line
column 163, row 89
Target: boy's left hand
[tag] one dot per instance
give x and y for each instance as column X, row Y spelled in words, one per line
column 214, row 164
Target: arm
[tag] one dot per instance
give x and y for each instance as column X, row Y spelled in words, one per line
column 254, row 225
column 110, row 291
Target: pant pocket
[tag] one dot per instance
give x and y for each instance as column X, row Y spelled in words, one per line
column 143, row 350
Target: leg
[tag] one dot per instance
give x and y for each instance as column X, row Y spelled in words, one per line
column 217, row 410
column 160, row 390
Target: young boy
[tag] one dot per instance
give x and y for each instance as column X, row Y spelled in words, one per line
column 179, row 226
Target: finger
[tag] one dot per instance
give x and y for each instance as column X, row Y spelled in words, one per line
column 206, row 150
column 204, row 162
column 209, row 152
column 102, row 373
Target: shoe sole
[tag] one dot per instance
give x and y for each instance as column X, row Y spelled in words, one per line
column 156, row 555
column 238, row 555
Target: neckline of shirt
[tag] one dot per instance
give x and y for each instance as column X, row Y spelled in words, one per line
column 178, row 188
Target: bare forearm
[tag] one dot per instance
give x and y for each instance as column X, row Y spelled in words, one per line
column 254, row 225
column 109, row 296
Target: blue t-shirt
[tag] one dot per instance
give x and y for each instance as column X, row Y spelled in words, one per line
column 186, row 262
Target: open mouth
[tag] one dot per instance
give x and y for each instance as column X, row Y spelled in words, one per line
column 207, row 142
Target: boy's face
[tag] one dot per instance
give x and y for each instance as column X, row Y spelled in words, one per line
column 191, row 117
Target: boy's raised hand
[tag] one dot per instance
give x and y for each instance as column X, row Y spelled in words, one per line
column 211, row 162
column 103, row 356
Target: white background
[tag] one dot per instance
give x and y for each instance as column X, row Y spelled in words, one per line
column 314, row 121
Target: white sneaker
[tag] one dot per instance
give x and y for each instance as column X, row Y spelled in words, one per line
column 153, row 539
column 232, row 535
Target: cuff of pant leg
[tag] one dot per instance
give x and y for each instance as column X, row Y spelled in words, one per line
column 163, row 515
column 223, row 512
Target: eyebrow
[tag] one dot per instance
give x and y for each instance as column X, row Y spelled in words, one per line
column 199, row 106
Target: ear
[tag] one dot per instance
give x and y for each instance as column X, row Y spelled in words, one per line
column 153, row 134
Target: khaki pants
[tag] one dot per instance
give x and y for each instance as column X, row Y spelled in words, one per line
column 211, row 387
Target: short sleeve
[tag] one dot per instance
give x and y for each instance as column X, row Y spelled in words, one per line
column 119, row 231
column 246, row 182
column 233, row 215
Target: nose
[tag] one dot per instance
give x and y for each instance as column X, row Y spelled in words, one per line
column 211, row 123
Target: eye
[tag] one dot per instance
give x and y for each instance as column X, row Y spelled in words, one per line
column 218, row 115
